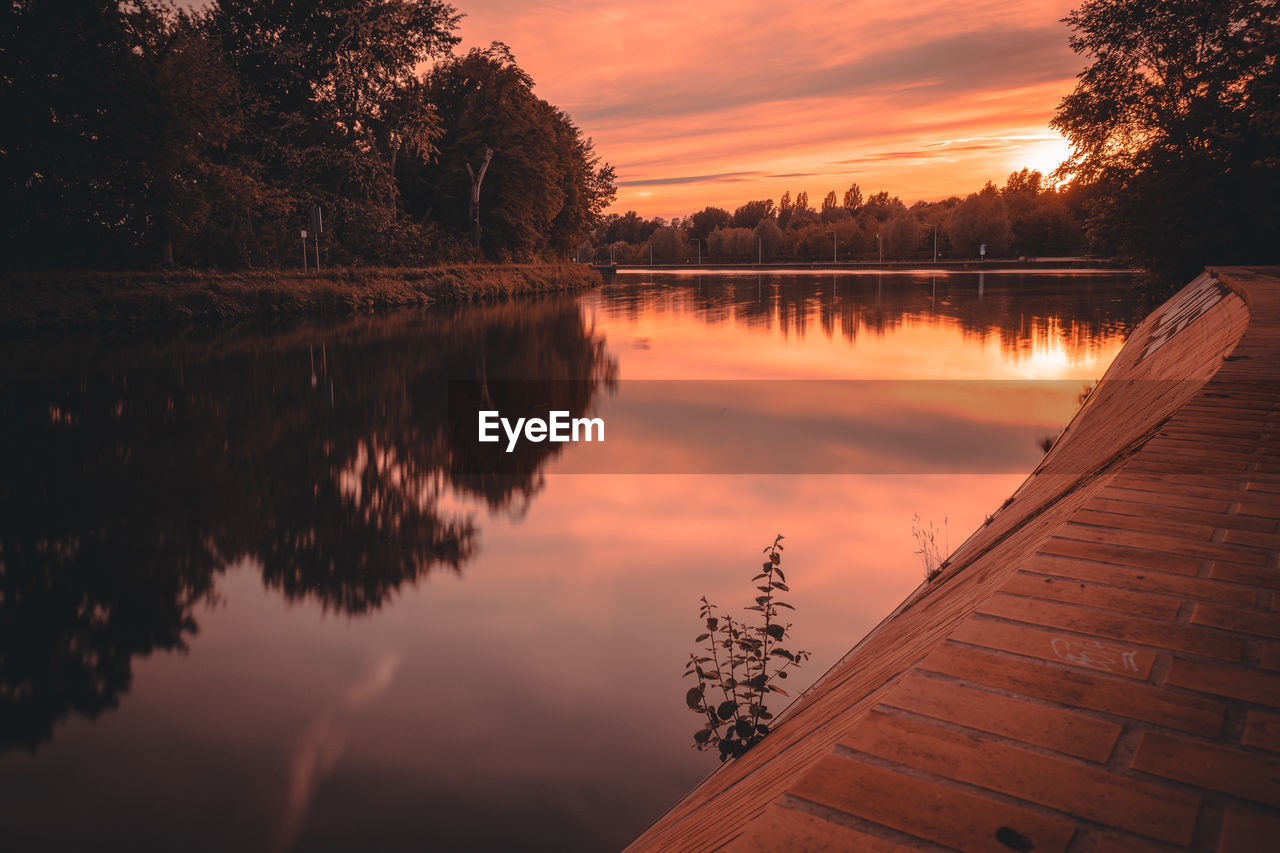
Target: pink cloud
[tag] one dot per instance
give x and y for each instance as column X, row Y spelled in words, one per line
column 673, row 92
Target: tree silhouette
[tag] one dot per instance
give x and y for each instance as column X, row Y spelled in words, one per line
column 139, row 134
column 853, row 198
column 981, row 218
column 750, row 214
column 1175, row 127
column 545, row 188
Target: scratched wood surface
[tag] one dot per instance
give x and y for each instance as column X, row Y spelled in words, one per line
column 1097, row 669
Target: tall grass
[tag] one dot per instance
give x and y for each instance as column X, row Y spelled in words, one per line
column 73, row 300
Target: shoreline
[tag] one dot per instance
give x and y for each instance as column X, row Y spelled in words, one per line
column 54, row 301
column 816, row 269
column 796, row 265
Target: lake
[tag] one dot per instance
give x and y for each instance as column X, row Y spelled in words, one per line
column 261, row 588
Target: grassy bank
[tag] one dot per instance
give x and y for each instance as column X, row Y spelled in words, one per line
column 97, row 299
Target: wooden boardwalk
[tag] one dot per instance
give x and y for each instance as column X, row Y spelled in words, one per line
column 1097, row 669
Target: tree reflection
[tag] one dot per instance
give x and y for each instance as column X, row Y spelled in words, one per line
column 1014, row 307
column 323, row 459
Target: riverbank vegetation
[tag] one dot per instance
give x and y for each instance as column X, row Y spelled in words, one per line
column 932, row 555
column 139, row 135
column 1027, row 216
column 51, row 300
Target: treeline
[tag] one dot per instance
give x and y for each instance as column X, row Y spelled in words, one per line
column 136, row 135
column 1025, row 217
column 1174, row 127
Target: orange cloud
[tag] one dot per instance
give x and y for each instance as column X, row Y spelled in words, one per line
column 721, row 103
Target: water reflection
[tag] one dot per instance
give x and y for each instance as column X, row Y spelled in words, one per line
column 323, row 458
column 1014, row 310
column 147, row 486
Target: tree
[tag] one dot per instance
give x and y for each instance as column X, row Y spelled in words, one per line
column 901, row 236
column 669, row 244
column 631, row 227
column 544, row 189
column 1175, row 127
column 1039, row 218
column 981, row 218
column 803, row 217
column 136, row 134
column 732, row 242
column 335, row 101
column 1027, row 182
column 882, row 206
column 853, row 198
column 202, row 195
column 122, row 140
column 832, row 210
column 769, row 237
column 811, row 241
column 473, row 205
column 702, row 223
column 1045, row 227
column 750, row 214
column 785, row 209
column 78, row 98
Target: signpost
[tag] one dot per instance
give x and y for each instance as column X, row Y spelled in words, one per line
column 304, row 250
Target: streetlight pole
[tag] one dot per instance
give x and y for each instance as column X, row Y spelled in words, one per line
column 935, row 244
column 760, row 248
column 835, row 259
column 880, row 248
column 698, row 240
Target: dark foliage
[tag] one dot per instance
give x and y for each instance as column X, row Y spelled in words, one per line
column 702, row 223
column 320, row 460
column 1176, row 130
column 544, row 188
column 139, row 135
column 1025, row 217
column 737, row 668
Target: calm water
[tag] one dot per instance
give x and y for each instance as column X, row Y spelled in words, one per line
column 258, row 591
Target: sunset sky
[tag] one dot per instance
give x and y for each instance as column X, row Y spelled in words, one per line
column 719, row 103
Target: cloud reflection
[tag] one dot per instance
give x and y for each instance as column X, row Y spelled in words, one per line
column 322, row 744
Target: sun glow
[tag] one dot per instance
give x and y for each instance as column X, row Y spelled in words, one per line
column 1044, row 154
column 1048, row 359
column 787, row 100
